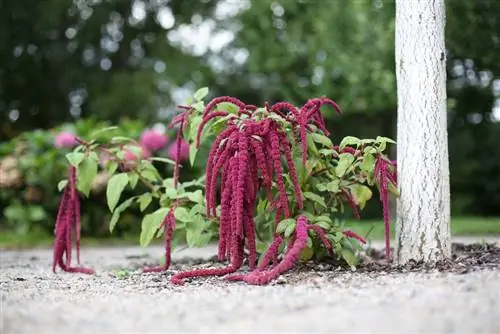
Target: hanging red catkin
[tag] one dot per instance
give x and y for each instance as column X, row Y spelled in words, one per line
column 66, row 217
column 204, row 121
column 217, row 147
column 168, row 224
column 291, row 257
column 321, row 234
column 211, row 105
column 243, row 171
column 354, row 235
column 287, row 148
column 276, row 158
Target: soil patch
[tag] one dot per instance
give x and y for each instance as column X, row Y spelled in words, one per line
column 465, row 258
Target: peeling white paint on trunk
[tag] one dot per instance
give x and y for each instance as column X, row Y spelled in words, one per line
column 423, row 210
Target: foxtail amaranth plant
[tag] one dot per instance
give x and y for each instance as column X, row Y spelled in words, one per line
column 274, row 184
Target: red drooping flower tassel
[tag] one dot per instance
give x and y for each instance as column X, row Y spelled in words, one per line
column 67, row 216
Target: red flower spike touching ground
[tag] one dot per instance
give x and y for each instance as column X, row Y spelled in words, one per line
column 169, row 225
column 204, row 121
column 211, row 105
column 224, row 225
column 66, row 217
column 351, row 234
column 321, row 234
column 250, row 237
column 351, row 202
column 381, row 176
column 271, row 254
column 76, row 202
column 289, row 260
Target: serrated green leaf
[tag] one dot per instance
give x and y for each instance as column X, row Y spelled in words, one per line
column 86, row 172
column 350, row 140
column 62, row 184
column 201, row 93
column 144, row 201
column 315, row 198
column 75, row 158
column 322, row 139
column 345, row 161
column 116, row 185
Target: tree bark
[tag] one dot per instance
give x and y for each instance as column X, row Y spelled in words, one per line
column 423, row 209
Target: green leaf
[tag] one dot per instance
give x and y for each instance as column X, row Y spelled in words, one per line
column 306, row 254
column 164, row 160
column 368, row 163
column 75, row 158
column 327, row 152
column 133, row 178
column 111, row 167
column 381, row 139
column 144, row 201
column 183, row 215
column 345, row 161
column 192, row 153
column 150, row 225
column 119, row 209
column 196, row 197
column 171, row 192
column 290, row 228
column 323, row 224
column 121, row 139
column 87, row 171
column 116, row 185
column 282, row 225
column 98, row 132
column 322, row 139
column 349, row 257
column 315, row 198
column 361, row 194
column 201, row 93
column 62, row 184
column 349, row 140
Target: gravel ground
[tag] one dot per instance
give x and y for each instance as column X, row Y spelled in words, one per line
column 120, row 299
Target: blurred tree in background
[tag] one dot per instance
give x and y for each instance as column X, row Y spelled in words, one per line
column 64, row 60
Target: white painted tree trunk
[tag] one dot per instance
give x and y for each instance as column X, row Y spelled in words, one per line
column 423, row 210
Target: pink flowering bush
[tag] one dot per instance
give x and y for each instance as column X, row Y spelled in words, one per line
column 273, row 185
column 153, row 140
column 181, row 146
column 65, row 139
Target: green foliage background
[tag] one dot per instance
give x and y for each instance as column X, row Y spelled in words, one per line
column 65, row 60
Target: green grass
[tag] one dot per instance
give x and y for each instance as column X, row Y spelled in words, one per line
column 462, row 226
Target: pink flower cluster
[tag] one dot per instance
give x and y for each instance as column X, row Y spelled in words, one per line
column 153, row 140
column 65, row 139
